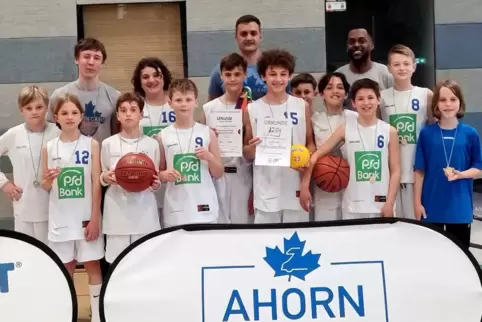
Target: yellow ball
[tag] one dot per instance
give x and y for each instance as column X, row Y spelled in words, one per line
column 300, row 156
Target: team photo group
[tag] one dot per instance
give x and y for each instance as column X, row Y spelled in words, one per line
column 258, row 151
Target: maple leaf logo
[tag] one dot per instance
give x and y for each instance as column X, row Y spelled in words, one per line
column 292, row 262
column 90, row 111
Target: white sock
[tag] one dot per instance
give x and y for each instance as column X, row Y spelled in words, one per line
column 94, row 291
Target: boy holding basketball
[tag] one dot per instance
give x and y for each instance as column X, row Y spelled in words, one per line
column 190, row 160
column 123, row 223
column 276, row 189
column 333, row 89
column 234, row 187
column 23, row 145
column 407, row 109
column 373, row 156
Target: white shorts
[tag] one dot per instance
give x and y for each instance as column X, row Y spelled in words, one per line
column 327, row 205
column 353, row 215
column 278, row 217
column 80, row 250
column 37, row 230
column 233, row 195
column 115, row 244
column 404, row 202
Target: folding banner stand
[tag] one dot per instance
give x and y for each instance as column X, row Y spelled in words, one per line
column 375, row 270
column 34, row 284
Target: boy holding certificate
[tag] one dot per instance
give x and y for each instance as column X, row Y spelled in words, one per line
column 224, row 116
column 286, row 120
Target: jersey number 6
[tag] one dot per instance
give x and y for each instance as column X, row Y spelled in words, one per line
column 380, row 141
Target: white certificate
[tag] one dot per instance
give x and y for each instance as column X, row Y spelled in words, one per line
column 275, row 146
column 229, row 126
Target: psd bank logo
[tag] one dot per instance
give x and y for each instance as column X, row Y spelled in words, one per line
column 303, row 287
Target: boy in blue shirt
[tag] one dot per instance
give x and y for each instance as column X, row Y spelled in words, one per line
column 447, row 159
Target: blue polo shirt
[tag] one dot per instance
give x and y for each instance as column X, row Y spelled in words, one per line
column 447, row 202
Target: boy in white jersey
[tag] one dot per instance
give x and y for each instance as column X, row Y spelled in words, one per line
column 373, row 154
column 407, row 109
column 128, row 216
column 189, row 161
column 333, row 89
column 23, row 145
column 71, row 171
column 234, row 187
column 151, row 80
column 276, row 189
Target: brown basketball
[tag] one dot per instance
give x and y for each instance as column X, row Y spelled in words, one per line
column 331, row 173
column 134, row 172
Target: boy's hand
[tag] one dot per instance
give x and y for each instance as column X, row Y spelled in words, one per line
column 92, row 231
column 305, row 199
column 52, row 174
column 203, row 154
column 170, row 175
column 420, row 212
column 109, row 177
column 12, row 192
column 156, row 184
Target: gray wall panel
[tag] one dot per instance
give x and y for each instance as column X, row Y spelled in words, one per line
column 457, row 11
column 458, row 46
column 37, row 60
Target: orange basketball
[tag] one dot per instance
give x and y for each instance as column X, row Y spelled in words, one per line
column 331, row 173
column 134, row 172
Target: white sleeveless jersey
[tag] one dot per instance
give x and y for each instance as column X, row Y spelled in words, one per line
column 193, row 198
column 129, row 213
column 407, row 112
column 243, row 166
column 24, row 151
column 70, row 203
column 367, row 156
column 277, row 188
column 155, row 119
column 324, row 125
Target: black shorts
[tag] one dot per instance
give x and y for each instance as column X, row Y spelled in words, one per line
column 461, row 232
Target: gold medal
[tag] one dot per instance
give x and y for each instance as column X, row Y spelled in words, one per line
column 448, row 171
column 372, row 178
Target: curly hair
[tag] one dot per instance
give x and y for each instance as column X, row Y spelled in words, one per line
column 276, row 58
column 155, row 63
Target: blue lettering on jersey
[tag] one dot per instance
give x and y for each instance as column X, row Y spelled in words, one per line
column 415, row 104
column 293, row 117
column 4, row 269
column 199, row 142
column 168, row 117
column 380, row 141
column 82, row 157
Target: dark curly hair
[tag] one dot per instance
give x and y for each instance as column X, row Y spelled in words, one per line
column 276, row 58
column 152, row 62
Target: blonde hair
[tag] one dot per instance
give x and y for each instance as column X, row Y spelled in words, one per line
column 402, row 50
column 184, row 86
column 29, row 94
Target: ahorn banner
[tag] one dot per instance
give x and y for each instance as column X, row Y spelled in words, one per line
column 377, row 270
column 34, row 284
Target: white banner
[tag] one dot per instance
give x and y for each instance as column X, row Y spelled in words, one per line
column 379, row 271
column 34, row 285
column 476, row 231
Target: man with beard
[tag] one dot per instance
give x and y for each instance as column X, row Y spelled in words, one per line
column 248, row 36
column 359, row 48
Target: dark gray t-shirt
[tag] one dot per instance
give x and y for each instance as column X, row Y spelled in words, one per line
column 99, row 108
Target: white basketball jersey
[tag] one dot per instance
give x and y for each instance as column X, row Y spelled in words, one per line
column 129, row 213
column 324, row 125
column 406, row 111
column 24, row 151
column 277, row 188
column 70, row 200
column 192, row 199
column 243, row 167
column 367, row 156
column 154, row 120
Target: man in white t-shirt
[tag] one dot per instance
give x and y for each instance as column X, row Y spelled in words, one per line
column 359, row 48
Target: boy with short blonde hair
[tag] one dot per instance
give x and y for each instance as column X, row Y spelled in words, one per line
column 407, row 108
column 23, row 145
